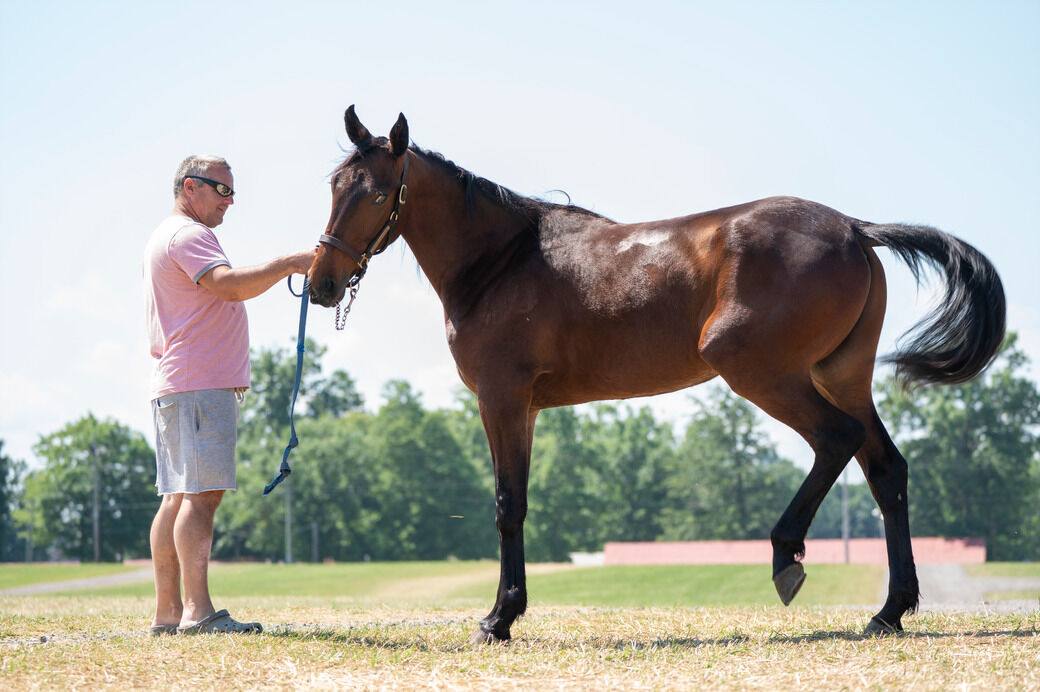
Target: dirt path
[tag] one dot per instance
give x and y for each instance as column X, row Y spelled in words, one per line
column 446, row 585
column 144, row 574
column 950, row 588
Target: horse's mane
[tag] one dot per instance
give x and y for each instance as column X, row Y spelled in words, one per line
column 533, row 209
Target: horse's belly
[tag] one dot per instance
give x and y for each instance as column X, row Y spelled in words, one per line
column 622, row 371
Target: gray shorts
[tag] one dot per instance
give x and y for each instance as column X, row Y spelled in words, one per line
column 195, row 436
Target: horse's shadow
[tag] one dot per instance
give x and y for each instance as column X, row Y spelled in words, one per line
column 859, row 636
column 387, row 638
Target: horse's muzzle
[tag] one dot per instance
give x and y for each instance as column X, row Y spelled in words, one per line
column 326, row 293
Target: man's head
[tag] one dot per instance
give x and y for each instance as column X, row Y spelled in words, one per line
column 203, row 189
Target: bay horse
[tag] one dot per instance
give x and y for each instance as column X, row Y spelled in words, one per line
column 552, row 305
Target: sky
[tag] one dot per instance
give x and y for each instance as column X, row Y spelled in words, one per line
column 916, row 112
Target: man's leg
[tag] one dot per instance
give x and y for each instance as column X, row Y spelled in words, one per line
column 168, row 606
column 193, row 538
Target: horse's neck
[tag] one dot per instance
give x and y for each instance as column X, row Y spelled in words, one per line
column 455, row 248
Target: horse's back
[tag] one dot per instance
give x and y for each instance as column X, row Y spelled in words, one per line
column 780, row 272
column 614, row 267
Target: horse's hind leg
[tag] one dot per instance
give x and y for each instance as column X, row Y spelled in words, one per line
column 510, row 428
column 886, row 473
column 845, row 378
column 834, row 437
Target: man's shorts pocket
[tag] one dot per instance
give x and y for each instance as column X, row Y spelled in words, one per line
column 167, row 423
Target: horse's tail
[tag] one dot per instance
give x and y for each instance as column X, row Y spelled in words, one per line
column 963, row 333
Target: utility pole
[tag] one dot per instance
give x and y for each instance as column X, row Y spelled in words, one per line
column 845, row 511
column 97, row 502
column 288, row 521
column 314, row 541
column 32, row 526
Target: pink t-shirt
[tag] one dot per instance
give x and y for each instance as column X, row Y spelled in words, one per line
column 198, row 340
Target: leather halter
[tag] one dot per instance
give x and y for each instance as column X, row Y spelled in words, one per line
column 382, row 239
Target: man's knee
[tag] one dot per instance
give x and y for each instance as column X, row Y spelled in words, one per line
column 208, row 500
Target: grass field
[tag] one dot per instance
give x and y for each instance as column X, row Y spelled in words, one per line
column 474, row 583
column 20, row 575
column 408, row 626
column 1005, row 569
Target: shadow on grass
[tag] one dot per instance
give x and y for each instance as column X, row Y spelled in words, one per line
column 815, row 637
column 387, row 638
column 394, row 636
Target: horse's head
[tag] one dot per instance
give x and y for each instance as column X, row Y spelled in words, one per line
column 368, row 192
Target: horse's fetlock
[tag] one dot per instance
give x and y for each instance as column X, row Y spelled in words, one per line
column 514, row 602
column 786, row 550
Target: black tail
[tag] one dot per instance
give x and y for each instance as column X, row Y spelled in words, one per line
column 962, row 335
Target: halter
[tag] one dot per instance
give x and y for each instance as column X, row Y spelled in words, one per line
column 378, row 244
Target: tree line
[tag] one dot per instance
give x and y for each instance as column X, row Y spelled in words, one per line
column 406, row 482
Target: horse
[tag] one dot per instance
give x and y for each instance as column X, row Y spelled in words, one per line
column 550, row 305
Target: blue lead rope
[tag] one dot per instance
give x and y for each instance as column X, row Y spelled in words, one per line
column 284, row 470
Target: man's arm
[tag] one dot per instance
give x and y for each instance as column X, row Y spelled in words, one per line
column 235, row 285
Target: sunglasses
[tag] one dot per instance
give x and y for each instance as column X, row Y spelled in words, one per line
column 222, row 189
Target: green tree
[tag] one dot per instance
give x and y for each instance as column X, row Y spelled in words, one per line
column 265, row 413
column 974, row 456
column 63, row 491
column 330, row 486
column 10, row 474
column 333, row 488
column 863, row 522
column 730, row 482
column 433, row 501
column 249, row 524
column 468, row 429
column 637, row 457
column 562, row 507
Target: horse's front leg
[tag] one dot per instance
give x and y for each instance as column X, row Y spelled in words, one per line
column 509, row 427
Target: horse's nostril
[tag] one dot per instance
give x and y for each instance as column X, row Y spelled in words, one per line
column 328, row 285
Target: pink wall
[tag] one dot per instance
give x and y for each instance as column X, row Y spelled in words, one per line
column 821, row 550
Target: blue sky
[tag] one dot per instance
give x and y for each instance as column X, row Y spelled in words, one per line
column 888, row 111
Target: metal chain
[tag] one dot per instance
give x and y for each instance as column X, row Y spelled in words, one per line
column 342, row 322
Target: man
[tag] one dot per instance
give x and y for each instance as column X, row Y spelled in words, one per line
column 199, row 336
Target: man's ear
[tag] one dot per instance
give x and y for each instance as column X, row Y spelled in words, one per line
column 399, row 136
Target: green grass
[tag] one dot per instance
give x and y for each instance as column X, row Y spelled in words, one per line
column 1023, row 595
column 702, row 585
column 99, row 643
column 408, row 626
column 1005, row 569
column 14, row 575
column 359, row 580
column 473, row 584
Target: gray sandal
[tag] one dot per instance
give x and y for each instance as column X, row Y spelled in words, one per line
column 221, row 621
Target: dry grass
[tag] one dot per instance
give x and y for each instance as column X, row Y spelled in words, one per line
column 99, row 643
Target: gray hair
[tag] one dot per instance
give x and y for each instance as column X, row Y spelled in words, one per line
column 197, row 164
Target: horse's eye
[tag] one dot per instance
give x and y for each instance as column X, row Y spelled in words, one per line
column 379, row 198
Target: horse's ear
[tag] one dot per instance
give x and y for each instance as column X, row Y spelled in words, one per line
column 357, row 132
column 399, row 136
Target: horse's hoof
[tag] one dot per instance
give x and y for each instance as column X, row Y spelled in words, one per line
column 482, row 636
column 878, row 627
column 789, row 581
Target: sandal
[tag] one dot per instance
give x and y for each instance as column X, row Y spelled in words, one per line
column 221, row 621
column 159, row 630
